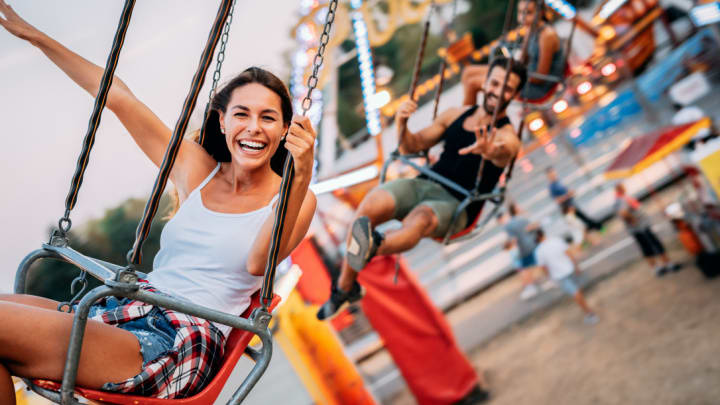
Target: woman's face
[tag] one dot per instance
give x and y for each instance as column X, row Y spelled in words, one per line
column 253, row 125
column 526, row 12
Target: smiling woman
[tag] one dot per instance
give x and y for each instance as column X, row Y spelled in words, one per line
column 212, row 250
column 257, row 80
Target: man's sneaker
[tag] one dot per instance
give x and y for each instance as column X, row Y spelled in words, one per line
column 675, row 267
column 363, row 244
column 660, row 271
column 528, row 292
column 339, row 299
column 591, row 319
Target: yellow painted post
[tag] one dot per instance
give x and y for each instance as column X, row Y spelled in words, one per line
column 317, row 356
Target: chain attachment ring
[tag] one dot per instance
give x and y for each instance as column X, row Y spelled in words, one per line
column 64, row 224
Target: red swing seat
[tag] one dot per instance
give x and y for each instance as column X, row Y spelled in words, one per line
column 464, row 231
column 234, row 349
column 551, row 93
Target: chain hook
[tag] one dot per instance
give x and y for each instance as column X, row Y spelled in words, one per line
column 77, row 289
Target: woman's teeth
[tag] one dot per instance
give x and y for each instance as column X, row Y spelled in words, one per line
column 251, row 145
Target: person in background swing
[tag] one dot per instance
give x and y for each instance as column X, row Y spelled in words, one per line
column 544, row 56
column 213, row 251
column 425, row 206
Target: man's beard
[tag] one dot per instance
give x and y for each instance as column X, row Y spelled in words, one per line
column 491, row 109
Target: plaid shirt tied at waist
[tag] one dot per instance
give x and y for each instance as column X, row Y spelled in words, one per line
column 185, row 369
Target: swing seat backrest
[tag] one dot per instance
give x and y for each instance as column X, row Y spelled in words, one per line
column 558, row 87
column 234, row 349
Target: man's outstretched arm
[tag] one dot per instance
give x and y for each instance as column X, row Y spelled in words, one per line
column 414, row 142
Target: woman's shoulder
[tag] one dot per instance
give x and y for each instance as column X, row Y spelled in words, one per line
column 197, row 172
column 548, row 32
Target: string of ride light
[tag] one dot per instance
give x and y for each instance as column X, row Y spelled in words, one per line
column 367, row 70
column 307, row 39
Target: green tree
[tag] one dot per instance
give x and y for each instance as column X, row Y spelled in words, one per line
column 109, row 239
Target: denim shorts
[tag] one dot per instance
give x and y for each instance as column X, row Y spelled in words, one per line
column 153, row 331
column 528, row 261
column 569, row 284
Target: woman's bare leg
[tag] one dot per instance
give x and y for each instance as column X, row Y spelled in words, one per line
column 34, row 340
column 32, row 300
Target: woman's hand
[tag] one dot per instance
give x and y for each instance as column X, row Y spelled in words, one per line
column 16, row 25
column 300, row 142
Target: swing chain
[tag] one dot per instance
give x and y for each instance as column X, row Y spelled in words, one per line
column 77, row 289
column 221, row 53
column 312, row 81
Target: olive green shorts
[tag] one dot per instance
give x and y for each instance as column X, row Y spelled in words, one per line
column 410, row 193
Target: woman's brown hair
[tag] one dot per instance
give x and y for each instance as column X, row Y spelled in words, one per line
column 214, row 141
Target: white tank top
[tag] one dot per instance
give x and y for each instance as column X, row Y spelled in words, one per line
column 203, row 255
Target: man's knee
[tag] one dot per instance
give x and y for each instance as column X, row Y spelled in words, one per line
column 424, row 218
column 376, row 205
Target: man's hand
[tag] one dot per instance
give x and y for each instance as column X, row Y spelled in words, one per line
column 482, row 145
column 404, row 111
column 497, row 146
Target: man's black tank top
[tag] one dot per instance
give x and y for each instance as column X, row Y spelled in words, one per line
column 463, row 169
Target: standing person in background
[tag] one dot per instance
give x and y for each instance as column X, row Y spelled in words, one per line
column 638, row 224
column 520, row 231
column 555, row 258
column 565, row 198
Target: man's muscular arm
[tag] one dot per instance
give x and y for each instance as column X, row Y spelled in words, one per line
column 413, row 142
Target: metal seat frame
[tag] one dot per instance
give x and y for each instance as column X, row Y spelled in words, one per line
column 119, row 282
column 469, row 196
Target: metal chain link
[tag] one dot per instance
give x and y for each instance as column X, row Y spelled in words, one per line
column 281, row 208
column 221, row 54
column 318, row 60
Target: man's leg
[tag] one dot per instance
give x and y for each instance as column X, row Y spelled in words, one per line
column 570, row 286
column 379, row 206
column 420, row 223
column 580, row 300
column 587, row 220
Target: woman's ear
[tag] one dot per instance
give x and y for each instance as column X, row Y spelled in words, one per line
column 286, row 128
column 221, row 119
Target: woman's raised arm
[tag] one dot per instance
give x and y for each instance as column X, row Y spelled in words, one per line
column 148, row 131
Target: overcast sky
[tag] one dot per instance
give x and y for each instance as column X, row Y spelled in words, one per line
column 43, row 115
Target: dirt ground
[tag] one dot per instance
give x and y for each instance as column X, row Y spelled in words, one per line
column 657, row 342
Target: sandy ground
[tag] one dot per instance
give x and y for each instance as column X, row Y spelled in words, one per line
column 657, row 342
